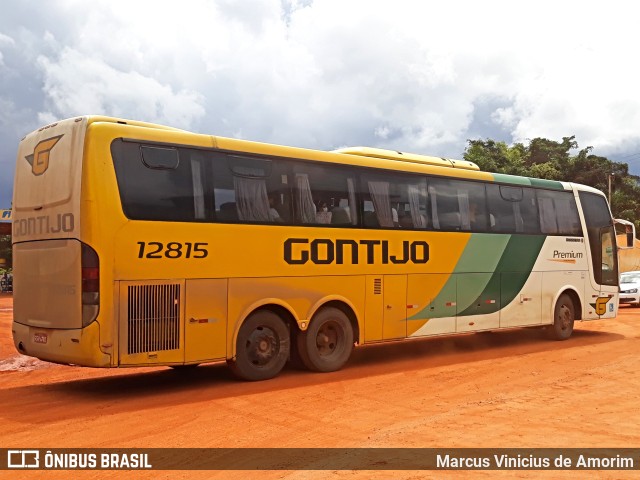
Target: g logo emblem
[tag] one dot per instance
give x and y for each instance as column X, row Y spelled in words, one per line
column 601, row 305
column 39, row 159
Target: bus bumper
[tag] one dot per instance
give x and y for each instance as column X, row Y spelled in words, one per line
column 71, row 347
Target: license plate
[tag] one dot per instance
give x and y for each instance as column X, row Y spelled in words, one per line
column 40, row 337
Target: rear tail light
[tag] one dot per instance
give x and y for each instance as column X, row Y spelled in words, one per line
column 90, row 285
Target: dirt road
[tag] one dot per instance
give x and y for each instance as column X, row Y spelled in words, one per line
column 497, row 390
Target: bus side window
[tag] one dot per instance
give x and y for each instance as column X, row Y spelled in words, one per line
column 379, row 193
column 458, row 205
column 278, row 205
column 528, row 211
column 417, row 204
column 395, row 201
column 324, row 195
column 256, row 187
column 512, row 209
column 224, row 194
column 474, row 197
column 558, row 213
column 501, row 207
column 156, row 183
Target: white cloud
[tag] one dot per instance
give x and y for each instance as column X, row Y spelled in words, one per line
column 405, row 75
column 4, row 40
column 77, row 84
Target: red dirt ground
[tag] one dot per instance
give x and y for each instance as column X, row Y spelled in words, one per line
column 497, row 390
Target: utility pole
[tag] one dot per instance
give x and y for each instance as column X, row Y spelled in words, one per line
column 611, row 175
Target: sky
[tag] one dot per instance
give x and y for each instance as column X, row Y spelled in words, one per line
column 415, row 76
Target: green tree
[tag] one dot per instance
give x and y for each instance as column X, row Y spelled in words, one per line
column 494, row 156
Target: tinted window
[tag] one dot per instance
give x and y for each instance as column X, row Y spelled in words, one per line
column 512, row 209
column 558, row 213
column 458, row 205
column 602, row 239
column 251, row 190
column 194, row 185
column 324, row 194
column 155, row 186
column 188, row 184
column 160, row 158
column 394, row 201
column 595, row 209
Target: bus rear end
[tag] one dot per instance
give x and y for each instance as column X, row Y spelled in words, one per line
column 56, row 275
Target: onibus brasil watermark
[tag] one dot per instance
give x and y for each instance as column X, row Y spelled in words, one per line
column 320, row 459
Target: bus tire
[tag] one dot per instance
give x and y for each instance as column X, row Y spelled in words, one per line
column 262, row 348
column 563, row 319
column 328, row 342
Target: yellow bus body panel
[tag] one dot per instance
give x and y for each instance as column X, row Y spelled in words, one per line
column 256, row 277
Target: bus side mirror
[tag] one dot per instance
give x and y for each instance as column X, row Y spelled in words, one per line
column 628, row 230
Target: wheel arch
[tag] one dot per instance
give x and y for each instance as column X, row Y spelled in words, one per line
column 284, row 311
column 575, row 297
column 346, row 308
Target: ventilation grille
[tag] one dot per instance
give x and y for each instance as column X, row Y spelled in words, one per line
column 377, row 286
column 153, row 316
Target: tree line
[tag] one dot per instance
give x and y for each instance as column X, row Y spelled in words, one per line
column 551, row 160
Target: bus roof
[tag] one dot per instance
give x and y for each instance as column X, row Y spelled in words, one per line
column 356, row 154
column 100, row 118
column 408, row 157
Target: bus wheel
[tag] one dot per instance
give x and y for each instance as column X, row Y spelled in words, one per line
column 563, row 319
column 262, row 348
column 327, row 344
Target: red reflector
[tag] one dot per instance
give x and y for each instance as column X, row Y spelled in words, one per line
column 90, row 273
column 90, row 285
column 90, row 280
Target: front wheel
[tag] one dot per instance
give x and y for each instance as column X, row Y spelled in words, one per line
column 563, row 319
column 262, row 347
column 328, row 342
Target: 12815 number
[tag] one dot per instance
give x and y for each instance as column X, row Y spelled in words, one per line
column 172, row 250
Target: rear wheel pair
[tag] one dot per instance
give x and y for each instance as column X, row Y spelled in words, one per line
column 263, row 345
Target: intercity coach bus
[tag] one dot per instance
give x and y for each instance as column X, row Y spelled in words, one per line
column 137, row 244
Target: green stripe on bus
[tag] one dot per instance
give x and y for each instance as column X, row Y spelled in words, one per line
column 482, row 255
column 552, row 184
column 510, row 274
column 513, row 179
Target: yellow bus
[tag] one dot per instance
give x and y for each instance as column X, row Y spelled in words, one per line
column 137, row 244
